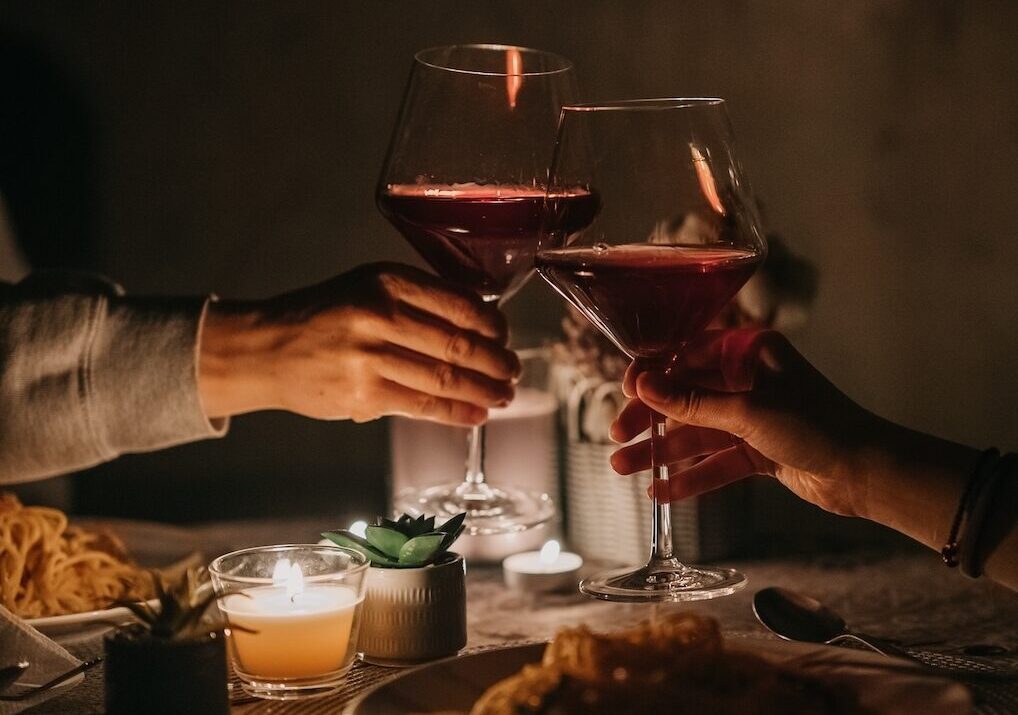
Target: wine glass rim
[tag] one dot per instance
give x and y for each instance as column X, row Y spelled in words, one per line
column 566, row 63
column 648, row 104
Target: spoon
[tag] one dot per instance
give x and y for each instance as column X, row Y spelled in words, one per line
column 10, row 673
column 796, row 617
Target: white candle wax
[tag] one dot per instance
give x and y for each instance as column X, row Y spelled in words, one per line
column 546, row 570
column 297, row 635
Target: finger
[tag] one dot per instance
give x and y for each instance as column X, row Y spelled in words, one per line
column 729, row 412
column 451, row 303
column 721, row 469
column 441, row 379
column 634, row 370
column 425, row 334
column 633, row 419
column 683, row 442
column 401, row 400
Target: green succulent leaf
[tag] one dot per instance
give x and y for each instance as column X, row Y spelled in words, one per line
column 388, row 541
column 352, row 541
column 420, row 549
column 452, row 530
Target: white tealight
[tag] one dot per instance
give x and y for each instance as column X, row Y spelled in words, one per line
column 549, row 569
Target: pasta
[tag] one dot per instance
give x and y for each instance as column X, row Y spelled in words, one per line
column 48, row 568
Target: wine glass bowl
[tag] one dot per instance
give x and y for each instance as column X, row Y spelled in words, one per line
column 465, row 183
column 676, row 235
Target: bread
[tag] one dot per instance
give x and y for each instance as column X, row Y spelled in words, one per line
column 676, row 665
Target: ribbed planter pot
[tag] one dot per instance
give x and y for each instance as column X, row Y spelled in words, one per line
column 414, row 615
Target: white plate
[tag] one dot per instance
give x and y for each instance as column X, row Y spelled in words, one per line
column 152, row 546
column 886, row 686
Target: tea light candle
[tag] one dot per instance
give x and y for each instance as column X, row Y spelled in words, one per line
column 296, row 630
column 549, row 569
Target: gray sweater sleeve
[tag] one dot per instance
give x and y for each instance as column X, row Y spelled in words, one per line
column 87, row 374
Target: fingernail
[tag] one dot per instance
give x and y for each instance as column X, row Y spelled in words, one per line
column 655, row 386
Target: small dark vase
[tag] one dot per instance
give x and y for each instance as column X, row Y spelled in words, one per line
column 156, row 677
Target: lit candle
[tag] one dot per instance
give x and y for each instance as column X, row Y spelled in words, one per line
column 549, row 569
column 291, row 629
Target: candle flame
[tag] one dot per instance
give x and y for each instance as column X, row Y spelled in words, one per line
column 281, row 572
column 359, row 527
column 550, row 552
column 294, row 582
column 514, row 75
column 706, row 178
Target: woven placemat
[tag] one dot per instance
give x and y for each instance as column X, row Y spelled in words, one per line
column 363, row 676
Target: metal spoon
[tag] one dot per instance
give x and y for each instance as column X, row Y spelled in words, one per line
column 795, row 617
column 10, row 673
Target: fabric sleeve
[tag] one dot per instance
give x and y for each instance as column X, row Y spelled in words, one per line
column 87, row 374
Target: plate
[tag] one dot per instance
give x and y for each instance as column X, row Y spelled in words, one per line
column 887, row 686
column 152, row 546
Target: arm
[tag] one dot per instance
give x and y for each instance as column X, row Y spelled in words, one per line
column 746, row 402
column 87, row 374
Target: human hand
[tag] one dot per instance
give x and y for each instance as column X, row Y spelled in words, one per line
column 745, row 402
column 382, row 339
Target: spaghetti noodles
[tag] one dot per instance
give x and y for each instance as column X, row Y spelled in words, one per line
column 48, row 568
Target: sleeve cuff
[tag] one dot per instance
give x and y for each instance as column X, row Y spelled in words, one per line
column 141, row 375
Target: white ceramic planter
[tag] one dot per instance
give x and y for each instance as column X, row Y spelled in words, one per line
column 414, row 615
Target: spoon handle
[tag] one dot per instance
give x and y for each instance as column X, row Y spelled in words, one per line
column 875, row 644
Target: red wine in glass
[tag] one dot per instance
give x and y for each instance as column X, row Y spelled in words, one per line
column 482, row 237
column 650, row 299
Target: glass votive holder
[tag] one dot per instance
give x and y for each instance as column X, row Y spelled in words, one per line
column 293, row 613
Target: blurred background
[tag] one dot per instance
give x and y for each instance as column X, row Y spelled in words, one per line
column 233, row 147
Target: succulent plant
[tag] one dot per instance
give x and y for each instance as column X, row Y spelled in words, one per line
column 182, row 603
column 404, row 543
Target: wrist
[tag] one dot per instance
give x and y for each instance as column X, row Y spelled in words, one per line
column 234, row 368
column 914, row 482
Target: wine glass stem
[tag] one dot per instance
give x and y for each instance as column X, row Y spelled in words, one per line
column 661, row 537
column 475, row 455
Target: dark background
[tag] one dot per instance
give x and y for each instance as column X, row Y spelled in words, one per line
column 191, row 147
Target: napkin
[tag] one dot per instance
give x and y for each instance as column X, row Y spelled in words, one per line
column 19, row 641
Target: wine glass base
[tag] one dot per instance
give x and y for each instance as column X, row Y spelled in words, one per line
column 668, row 580
column 489, row 510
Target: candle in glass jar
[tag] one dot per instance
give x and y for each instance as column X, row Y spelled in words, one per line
column 289, row 629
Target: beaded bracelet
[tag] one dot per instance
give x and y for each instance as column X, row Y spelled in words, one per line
column 970, row 554
column 985, row 468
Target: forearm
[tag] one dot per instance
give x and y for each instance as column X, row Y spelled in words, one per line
column 915, row 483
column 86, row 375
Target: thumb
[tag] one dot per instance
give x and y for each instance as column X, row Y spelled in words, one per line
column 725, row 411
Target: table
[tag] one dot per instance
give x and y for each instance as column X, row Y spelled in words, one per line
column 909, row 597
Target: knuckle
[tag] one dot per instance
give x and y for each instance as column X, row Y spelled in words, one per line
column 446, row 377
column 428, row 405
column 689, row 405
column 460, row 347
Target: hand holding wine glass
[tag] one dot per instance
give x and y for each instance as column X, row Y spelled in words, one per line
column 381, row 339
column 676, row 237
column 464, row 182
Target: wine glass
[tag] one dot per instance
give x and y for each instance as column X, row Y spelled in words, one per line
column 677, row 235
column 464, row 182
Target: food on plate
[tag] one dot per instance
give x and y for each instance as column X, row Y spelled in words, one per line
column 48, row 568
column 678, row 665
